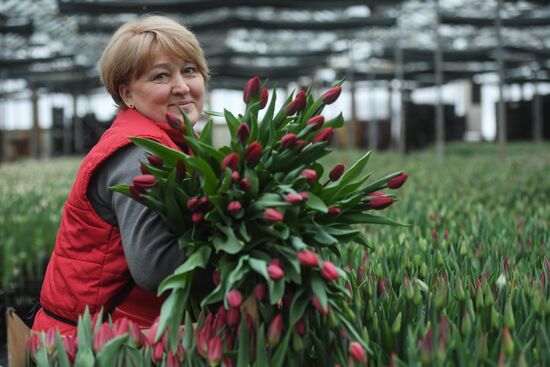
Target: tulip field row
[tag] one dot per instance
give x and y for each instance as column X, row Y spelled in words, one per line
column 467, row 283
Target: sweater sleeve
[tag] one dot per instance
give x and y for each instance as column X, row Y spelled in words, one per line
column 151, row 250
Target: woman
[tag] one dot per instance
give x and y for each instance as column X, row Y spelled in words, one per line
column 107, row 243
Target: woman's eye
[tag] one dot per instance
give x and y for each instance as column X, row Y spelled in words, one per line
column 190, row 70
column 160, row 76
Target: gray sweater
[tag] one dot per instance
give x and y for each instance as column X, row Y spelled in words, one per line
column 151, row 250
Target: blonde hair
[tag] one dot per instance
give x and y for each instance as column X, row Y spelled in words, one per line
column 129, row 51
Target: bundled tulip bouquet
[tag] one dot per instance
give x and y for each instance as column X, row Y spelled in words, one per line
column 264, row 216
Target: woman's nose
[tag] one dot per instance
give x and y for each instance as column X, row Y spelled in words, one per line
column 180, row 85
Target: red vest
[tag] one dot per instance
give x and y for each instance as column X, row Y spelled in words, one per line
column 88, row 266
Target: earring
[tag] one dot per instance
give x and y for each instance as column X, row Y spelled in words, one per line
column 131, row 105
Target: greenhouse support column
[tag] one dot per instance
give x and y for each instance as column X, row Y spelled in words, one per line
column 78, row 128
column 373, row 123
column 35, row 131
column 501, row 116
column 439, row 117
column 537, row 109
column 353, row 124
column 402, row 125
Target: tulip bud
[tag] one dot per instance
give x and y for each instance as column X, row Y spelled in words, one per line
column 144, row 182
column 329, row 271
column 304, row 195
column 297, row 105
column 157, row 353
column 299, row 144
column 275, row 271
column 288, row 140
column 331, row 95
column 294, row 199
column 253, row 153
column 308, row 258
column 120, row 326
column 509, row 319
column 273, row 215
column 235, row 176
column 233, row 317
column 234, row 207
column 300, row 327
column 324, row 135
column 155, row 161
column 275, row 331
column 264, row 95
column 215, row 351
column 507, row 342
column 317, row 304
column 35, row 343
column 136, row 195
column 197, row 217
column 466, row 326
column 309, row 174
column 69, row 343
column 357, row 352
column 245, row 184
column 174, row 121
column 317, row 121
column 234, row 298
column 193, row 204
column 231, row 160
column 333, row 211
column 337, row 172
column 135, row 336
column 397, row 181
column 103, row 335
column 243, row 132
column 251, row 89
column 172, row 360
column 216, row 277
column 297, row 342
column 380, row 202
column 260, row 291
column 180, row 170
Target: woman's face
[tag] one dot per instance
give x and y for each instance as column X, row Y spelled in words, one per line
column 165, row 86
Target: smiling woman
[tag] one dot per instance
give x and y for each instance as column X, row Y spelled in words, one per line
column 111, row 252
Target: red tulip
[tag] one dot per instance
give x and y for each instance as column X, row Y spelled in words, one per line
column 331, row 95
column 299, row 144
column 34, row 344
column 234, row 207
column 357, row 352
column 103, row 335
column 226, row 361
column 144, row 182
column 180, row 170
column 219, row 321
column 231, row 160
column 309, row 174
column 243, row 132
column 235, row 176
column 215, row 351
column 234, row 298
column 317, row 304
column 333, row 211
column 336, row 172
column 193, row 204
column 197, row 217
column 251, row 89
column 377, row 193
column 329, row 271
column 155, row 161
column 245, row 183
column 216, row 277
column 134, row 192
column 264, row 95
column 172, row 360
column 174, row 121
column 120, row 326
column 300, row 327
column 398, row 181
column 69, row 342
column 233, row 317
column 273, row 215
column 253, row 153
column 324, row 135
column 308, row 258
column 157, row 353
column 201, row 341
column 304, row 195
column 288, row 140
column 294, row 199
column 260, row 291
column 275, row 271
column 318, row 121
column 380, row 202
column 135, row 335
column 298, row 104
column 275, row 331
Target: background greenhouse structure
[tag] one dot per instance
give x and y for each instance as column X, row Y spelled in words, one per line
column 455, row 92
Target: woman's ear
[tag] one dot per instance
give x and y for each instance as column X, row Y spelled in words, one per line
column 125, row 94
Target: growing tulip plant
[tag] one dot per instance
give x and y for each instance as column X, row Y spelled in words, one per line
column 272, row 225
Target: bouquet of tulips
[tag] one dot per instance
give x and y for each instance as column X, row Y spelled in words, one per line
column 271, row 224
